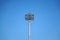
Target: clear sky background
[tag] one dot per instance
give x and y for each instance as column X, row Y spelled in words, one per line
column 46, row 24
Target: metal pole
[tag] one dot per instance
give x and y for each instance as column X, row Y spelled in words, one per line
column 28, row 29
column 29, row 17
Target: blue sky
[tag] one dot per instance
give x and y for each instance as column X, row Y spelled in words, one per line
column 46, row 24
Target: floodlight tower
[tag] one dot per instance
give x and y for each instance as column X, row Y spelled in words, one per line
column 29, row 17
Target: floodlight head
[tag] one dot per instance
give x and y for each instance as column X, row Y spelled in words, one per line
column 29, row 16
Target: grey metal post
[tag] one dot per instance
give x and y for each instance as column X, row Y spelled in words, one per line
column 29, row 30
column 29, row 17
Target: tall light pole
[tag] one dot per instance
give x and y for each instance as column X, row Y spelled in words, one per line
column 29, row 17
